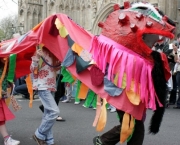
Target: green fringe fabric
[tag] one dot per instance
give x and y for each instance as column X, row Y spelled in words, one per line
column 12, row 66
column 78, row 90
column 67, row 77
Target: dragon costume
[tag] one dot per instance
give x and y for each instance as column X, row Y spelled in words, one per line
column 119, row 65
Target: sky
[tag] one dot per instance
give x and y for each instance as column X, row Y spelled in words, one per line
column 8, row 8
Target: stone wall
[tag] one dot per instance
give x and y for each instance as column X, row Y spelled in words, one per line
column 86, row 13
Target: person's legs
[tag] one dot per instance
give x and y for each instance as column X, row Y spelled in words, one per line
column 173, row 97
column 68, row 93
column 49, row 137
column 89, row 99
column 178, row 86
column 60, row 90
column 94, row 102
column 7, row 138
column 112, row 137
column 51, row 112
column 3, row 129
column 138, row 134
column 174, row 90
column 41, row 107
column 178, row 100
column 22, row 89
column 77, row 100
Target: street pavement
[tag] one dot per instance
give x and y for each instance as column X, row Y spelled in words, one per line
column 78, row 130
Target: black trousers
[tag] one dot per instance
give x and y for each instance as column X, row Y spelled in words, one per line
column 112, row 137
column 60, row 90
column 173, row 92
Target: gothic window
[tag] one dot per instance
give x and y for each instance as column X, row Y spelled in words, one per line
column 29, row 21
column 21, row 12
column 35, row 18
column 88, row 13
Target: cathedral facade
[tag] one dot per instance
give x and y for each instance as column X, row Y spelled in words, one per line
column 86, row 13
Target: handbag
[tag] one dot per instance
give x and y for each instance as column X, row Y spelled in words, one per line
column 14, row 103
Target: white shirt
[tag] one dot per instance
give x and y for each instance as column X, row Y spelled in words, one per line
column 45, row 79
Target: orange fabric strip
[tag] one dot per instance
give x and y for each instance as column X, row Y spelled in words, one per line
column 3, row 76
column 127, row 127
column 30, row 89
column 77, row 48
column 37, row 26
column 83, row 91
column 103, row 117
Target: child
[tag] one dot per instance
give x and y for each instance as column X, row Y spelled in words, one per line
column 45, row 83
column 5, row 113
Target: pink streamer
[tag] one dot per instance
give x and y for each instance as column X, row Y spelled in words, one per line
column 143, row 82
column 113, row 57
column 129, row 72
column 122, row 68
column 138, row 67
column 151, row 91
column 122, row 60
column 114, row 69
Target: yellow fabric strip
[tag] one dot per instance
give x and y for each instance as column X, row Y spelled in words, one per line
column 40, row 60
column 133, row 97
column 63, row 32
column 116, row 79
column 124, row 81
column 3, row 75
column 30, row 89
column 8, row 101
column 98, row 111
column 62, row 29
column 40, row 46
column 102, row 118
column 58, row 23
column 83, row 91
column 127, row 127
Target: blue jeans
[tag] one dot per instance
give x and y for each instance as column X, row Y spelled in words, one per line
column 51, row 112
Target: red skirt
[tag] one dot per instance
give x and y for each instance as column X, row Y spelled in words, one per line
column 5, row 113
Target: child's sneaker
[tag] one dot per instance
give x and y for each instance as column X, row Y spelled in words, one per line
column 11, row 141
column 97, row 141
column 76, row 103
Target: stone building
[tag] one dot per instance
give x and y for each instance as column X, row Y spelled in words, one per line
column 86, row 13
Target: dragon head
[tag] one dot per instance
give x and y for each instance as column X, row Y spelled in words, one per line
column 138, row 27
